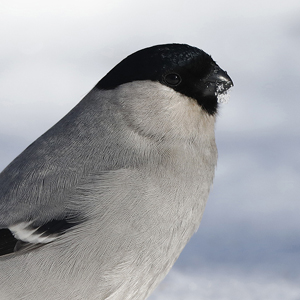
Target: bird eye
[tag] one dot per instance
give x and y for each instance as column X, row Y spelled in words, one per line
column 172, row 79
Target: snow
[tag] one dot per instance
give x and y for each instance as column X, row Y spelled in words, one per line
column 248, row 244
column 221, row 285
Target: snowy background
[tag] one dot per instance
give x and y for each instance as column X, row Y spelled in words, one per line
column 248, row 244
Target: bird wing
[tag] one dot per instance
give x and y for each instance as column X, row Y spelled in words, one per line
column 36, row 187
column 34, row 190
column 24, row 236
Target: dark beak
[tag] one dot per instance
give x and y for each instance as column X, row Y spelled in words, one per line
column 217, row 82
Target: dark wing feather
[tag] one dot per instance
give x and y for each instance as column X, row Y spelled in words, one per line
column 26, row 236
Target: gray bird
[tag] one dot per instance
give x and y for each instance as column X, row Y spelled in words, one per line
column 102, row 204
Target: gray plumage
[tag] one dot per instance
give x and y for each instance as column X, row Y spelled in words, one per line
column 128, row 170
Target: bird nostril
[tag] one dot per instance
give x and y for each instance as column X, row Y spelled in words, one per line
column 218, row 76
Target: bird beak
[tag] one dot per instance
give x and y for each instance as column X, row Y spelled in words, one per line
column 217, row 82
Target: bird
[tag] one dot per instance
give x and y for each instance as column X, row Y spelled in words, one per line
column 101, row 205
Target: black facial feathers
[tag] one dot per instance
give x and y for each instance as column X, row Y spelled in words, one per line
column 181, row 67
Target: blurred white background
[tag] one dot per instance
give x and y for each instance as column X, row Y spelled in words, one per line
column 248, row 244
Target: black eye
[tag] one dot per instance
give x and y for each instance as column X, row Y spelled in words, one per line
column 172, row 79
